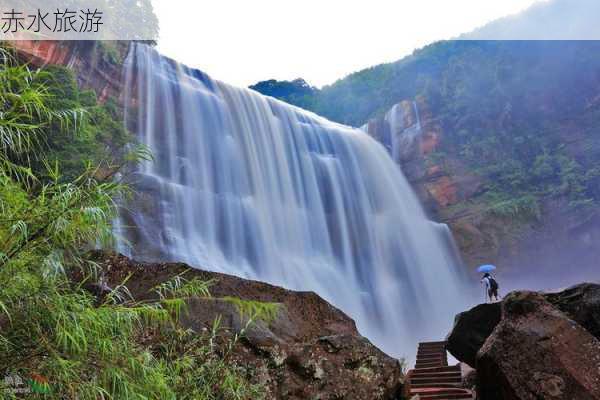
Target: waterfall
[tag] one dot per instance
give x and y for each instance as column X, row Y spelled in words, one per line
column 396, row 132
column 402, row 138
column 247, row 185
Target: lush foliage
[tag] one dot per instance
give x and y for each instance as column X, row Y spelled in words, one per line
column 297, row 91
column 97, row 135
column 56, row 203
column 521, row 114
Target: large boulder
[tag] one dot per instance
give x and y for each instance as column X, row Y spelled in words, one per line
column 310, row 350
column 582, row 304
column 537, row 352
column 471, row 330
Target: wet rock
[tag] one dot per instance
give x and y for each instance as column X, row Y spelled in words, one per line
column 541, row 346
column 84, row 57
column 471, row 328
column 582, row 304
column 469, row 380
column 537, row 352
column 310, row 350
column 470, row 331
column 412, row 134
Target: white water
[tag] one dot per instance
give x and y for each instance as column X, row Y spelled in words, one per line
column 247, row 185
column 396, row 137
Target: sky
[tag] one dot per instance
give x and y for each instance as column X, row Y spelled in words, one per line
column 242, row 42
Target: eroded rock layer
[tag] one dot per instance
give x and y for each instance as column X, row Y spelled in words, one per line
column 311, row 350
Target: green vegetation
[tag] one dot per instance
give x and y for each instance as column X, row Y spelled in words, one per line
column 521, row 114
column 56, row 203
column 97, row 136
column 293, row 92
column 251, row 310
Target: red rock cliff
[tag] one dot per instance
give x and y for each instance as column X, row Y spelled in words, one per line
column 412, row 135
column 97, row 65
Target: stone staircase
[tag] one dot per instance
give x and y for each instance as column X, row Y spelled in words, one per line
column 432, row 378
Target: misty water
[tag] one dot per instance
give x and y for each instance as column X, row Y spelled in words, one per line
column 247, row 185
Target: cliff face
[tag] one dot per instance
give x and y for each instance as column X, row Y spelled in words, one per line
column 451, row 192
column 97, row 64
column 412, row 136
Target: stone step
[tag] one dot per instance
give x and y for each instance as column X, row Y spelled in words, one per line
column 438, row 363
column 442, row 343
column 442, row 376
column 435, row 385
column 445, row 381
column 452, row 368
column 426, row 373
column 437, row 354
column 435, row 380
column 431, row 357
column 431, row 360
column 465, row 396
column 433, row 343
column 429, row 364
column 445, row 390
column 433, row 371
column 431, row 350
column 432, row 378
column 441, row 393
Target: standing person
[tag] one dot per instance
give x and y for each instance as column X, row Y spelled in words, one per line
column 491, row 286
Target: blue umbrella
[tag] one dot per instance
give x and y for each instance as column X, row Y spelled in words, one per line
column 486, row 268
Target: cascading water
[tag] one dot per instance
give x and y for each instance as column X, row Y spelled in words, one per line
column 248, row 185
column 398, row 137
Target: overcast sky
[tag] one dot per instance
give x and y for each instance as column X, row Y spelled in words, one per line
column 245, row 41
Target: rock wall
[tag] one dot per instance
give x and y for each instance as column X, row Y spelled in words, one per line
column 413, row 136
column 449, row 190
column 97, row 64
column 311, row 350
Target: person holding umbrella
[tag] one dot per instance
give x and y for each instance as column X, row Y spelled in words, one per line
column 491, row 286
